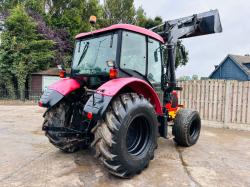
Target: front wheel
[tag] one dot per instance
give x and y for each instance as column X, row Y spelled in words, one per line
column 126, row 139
column 187, row 126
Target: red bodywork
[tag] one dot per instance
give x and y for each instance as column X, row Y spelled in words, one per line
column 112, row 87
column 128, row 27
column 65, row 86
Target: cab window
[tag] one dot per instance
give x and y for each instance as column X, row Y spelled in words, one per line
column 133, row 53
column 154, row 61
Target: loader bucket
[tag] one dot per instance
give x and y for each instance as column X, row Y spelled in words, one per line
column 208, row 23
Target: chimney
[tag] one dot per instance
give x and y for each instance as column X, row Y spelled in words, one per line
column 216, row 66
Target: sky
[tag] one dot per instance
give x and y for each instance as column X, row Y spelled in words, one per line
column 210, row 50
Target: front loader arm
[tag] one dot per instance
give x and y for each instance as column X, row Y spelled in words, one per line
column 173, row 30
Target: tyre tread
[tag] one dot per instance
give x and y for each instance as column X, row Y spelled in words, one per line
column 181, row 125
column 105, row 141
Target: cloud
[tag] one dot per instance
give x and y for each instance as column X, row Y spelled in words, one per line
column 206, row 51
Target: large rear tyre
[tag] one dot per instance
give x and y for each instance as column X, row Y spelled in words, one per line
column 126, row 139
column 187, row 126
column 59, row 116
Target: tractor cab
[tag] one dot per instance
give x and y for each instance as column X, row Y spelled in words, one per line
column 121, row 50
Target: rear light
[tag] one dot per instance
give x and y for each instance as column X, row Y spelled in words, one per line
column 62, row 74
column 168, row 105
column 90, row 115
column 40, row 104
column 113, row 73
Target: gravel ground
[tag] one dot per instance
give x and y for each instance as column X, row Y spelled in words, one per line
column 220, row 158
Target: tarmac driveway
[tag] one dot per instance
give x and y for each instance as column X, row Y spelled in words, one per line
column 220, row 158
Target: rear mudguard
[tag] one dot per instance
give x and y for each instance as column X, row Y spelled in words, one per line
column 98, row 102
column 57, row 91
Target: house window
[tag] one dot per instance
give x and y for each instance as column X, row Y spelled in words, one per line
column 247, row 65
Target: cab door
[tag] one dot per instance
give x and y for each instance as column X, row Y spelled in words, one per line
column 154, row 66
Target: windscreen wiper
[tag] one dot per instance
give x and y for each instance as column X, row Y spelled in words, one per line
column 84, row 52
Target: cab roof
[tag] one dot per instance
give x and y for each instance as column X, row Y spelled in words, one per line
column 128, row 27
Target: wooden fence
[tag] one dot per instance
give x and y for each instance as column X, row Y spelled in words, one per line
column 218, row 100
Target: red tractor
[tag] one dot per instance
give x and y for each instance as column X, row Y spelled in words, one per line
column 121, row 93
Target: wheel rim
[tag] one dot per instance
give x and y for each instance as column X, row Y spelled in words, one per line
column 194, row 128
column 138, row 135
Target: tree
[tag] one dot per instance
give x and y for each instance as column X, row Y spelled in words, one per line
column 35, row 5
column 143, row 21
column 181, row 55
column 195, row 77
column 73, row 15
column 38, row 5
column 184, row 78
column 119, row 11
column 8, row 4
column 23, row 50
column 141, row 18
column 63, row 21
column 63, row 42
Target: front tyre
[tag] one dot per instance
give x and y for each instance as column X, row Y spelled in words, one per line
column 126, row 139
column 187, row 126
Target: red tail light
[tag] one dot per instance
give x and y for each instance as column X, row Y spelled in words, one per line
column 168, row 105
column 89, row 115
column 40, row 104
column 113, row 73
column 62, row 74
